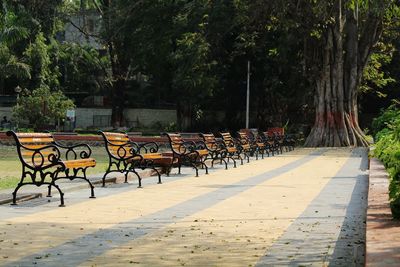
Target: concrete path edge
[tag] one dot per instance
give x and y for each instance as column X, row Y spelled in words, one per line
column 383, row 233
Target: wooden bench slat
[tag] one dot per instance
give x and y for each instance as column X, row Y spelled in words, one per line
column 29, row 153
column 80, row 163
column 38, row 135
column 36, row 140
column 116, row 136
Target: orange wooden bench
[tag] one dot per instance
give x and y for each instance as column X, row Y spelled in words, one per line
column 233, row 147
column 248, row 147
column 44, row 161
column 188, row 153
column 216, row 148
column 256, row 142
column 126, row 156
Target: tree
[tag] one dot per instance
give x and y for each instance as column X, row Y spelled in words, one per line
column 342, row 36
column 41, row 107
column 38, row 57
column 115, row 34
column 11, row 33
column 26, row 38
column 163, row 40
column 82, row 69
column 193, row 79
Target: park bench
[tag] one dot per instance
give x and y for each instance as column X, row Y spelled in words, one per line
column 284, row 141
column 216, row 148
column 251, row 146
column 187, row 153
column 233, row 146
column 126, row 156
column 257, row 143
column 248, row 149
column 44, row 160
column 271, row 144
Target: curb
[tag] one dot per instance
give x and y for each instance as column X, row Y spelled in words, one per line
column 24, row 197
column 119, row 178
column 383, row 233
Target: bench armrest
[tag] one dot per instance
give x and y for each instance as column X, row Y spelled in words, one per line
column 82, row 151
column 149, row 147
column 40, row 159
column 216, row 146
column 220, row 144
column 186, row 148
column 200, row 145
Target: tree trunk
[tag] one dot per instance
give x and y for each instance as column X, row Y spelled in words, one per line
column 119, row 68
column 2, row 88
column 118, row 103
column 343, row 60
column 184, row 115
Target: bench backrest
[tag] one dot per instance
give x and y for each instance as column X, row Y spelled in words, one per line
column 118, row 144
column 176, row 141
column 210, row 141
column 245, row 142
column 227, row 138
column 243, row 137
column 31, row 148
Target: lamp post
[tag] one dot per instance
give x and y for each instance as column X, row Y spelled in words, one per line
column 17, row 90
column 248, row 95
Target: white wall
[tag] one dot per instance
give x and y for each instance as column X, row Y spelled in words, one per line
column 135, row 117
column 149, row 117
column 84, row 116
column 5, row 111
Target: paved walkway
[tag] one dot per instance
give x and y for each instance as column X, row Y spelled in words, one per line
column 302, row 208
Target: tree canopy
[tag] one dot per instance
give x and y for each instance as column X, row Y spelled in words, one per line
column 309, row 59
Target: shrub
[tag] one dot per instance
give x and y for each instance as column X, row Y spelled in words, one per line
column 42, row 107
column 386, row 118
column 388, row 150
column 172, row 127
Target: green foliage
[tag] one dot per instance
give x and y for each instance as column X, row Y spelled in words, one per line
column 10, row 65
column 388, row 150
column 42, row 107
column 83, row 68
column 193, row 67
column 374, row 77
column 11, row 32
column 384, row 123
column 38, row 57
column 174, row 51
column 172, row 127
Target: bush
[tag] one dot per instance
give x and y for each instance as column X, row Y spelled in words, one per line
column 388, row 150
column 172, row 127
column 386, row 118
column 42, row 107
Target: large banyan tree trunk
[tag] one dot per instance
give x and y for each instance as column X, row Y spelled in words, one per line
column 342, row 58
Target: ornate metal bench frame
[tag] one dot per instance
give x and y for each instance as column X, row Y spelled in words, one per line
column 233, row 146
column 216, row 149
column 127, row 156
column 187, row 153
column 45, row 160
